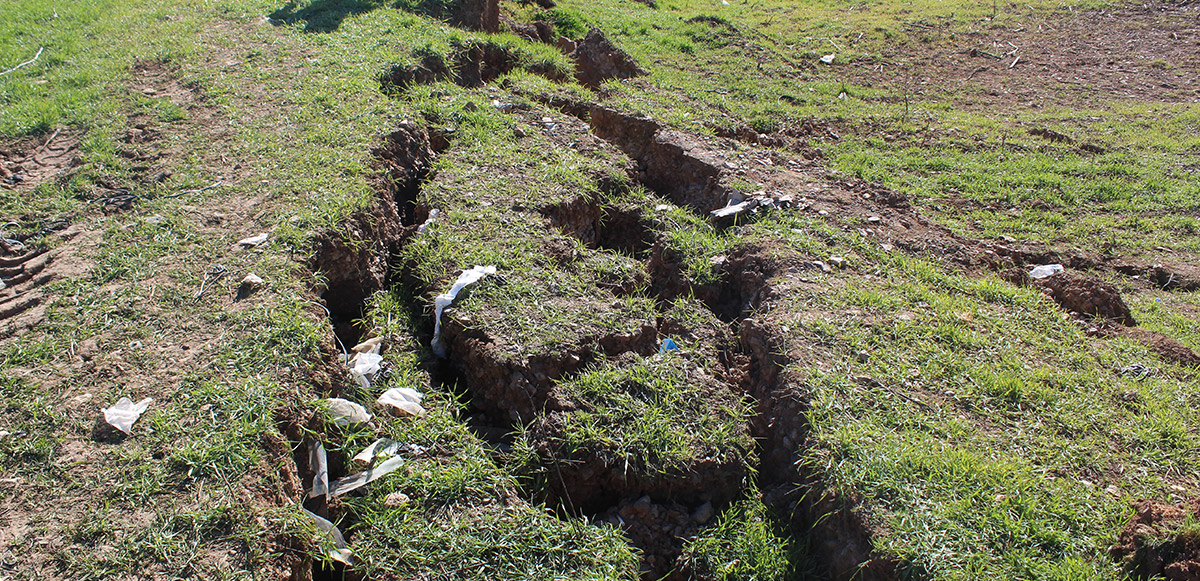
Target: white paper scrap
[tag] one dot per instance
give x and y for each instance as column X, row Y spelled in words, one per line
column 124, row 413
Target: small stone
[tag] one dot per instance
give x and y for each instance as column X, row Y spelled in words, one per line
column 396, row 499
column 1008, row 239
column 874, row 219
column 822, row 213
column 252, row 281
column 717, row 260
column 837, row 261
column 863, row 356
column 821, row 265
column 703, row 513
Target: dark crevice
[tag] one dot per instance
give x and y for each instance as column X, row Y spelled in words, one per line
column 839, row 539
column 503, row 392
column 741, row 285
column 470, row 64
column 355, row 261
column 608, row 227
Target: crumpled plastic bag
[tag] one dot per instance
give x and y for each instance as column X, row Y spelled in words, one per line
column 404, row 400
column 1045, row 270
column 433, row 214
column 385, row 448
column 124, row 413
column 318, row 460
column 355, row 481
column 469, row 276
column 378, row 449
column 340, row 551
column 366, row 361
column 346, row 412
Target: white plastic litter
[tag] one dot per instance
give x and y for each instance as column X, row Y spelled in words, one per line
column 366, row 361
column 341, row 552
column 405, row 400
column 122, row 415
column 355, row 481
column 378, row 449
column 827, row 59
column 319, row 462
column 346, row 412
column 364, row 366
column 252, row 241
column 442, row 301
column 433, row 214
column 734, row 209
column 1045, row 270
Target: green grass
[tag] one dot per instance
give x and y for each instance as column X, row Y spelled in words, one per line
column 653, row 415
column 985, row 434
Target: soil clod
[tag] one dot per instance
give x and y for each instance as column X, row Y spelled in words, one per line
column 597, row 60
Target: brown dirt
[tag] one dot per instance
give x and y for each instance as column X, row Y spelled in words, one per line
column 1133, row 52
column 472, row 64
column 597, row 60
column 658, row 529
column 1167, row 348
column 511, row 387
column 1152, row 545
column 353, row 262
column 26, row 270
column 1087, row 296
column 27, row 162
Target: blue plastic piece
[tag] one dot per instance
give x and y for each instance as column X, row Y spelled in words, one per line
column 668, row 345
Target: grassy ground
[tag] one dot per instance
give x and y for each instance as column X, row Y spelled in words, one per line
column 977, row 430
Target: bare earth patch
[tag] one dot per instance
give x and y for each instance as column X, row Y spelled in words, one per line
column 1146, row 52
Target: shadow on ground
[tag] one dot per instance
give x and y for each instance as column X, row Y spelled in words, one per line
column 322, row 15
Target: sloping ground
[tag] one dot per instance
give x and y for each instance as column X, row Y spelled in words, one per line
column 702, row 346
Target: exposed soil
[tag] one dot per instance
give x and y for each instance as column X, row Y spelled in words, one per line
column 472, row 64
column 1086, row 295
column 1132, row 52
column 1154, row 544
column 597, row 60
column 26, row 163
column 25, row 269
column 1166, row 347
column 354, row 262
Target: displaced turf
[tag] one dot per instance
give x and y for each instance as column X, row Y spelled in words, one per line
column 859, row 378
